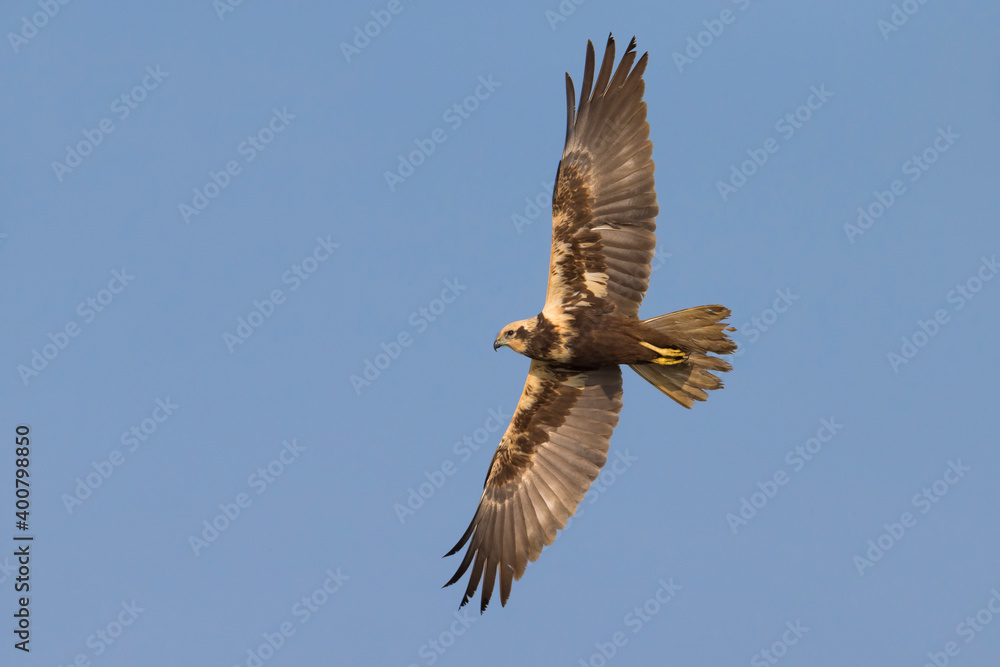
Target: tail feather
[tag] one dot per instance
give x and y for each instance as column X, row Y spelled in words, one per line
column 699, row 331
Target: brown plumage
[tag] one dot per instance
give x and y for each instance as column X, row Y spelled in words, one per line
column 603, row 238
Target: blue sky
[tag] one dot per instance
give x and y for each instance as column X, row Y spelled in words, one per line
column 203, row 247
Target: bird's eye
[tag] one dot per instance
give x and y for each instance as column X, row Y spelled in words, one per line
column 509, row 332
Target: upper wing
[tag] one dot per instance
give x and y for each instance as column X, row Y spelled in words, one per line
column 553, row 449
column 604, row 202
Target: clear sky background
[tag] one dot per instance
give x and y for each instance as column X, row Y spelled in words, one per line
column 249, row 155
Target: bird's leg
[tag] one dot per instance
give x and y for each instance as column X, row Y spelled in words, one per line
column 669, row 356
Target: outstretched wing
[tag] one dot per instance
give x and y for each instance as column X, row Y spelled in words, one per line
column 553, row 449
column 604, row 202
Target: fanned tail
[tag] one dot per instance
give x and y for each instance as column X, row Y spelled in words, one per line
column 699, row 331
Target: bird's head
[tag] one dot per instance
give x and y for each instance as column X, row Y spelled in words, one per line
column 516, row 335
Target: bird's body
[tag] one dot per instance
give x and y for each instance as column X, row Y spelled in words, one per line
column 603, row 238
column 588, row 338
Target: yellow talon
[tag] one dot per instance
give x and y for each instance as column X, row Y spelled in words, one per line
column 669, row 356
column 663, row 361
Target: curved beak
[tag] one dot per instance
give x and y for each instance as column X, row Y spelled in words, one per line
column 497, row 344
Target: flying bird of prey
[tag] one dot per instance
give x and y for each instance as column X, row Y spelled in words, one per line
column 603, row 206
